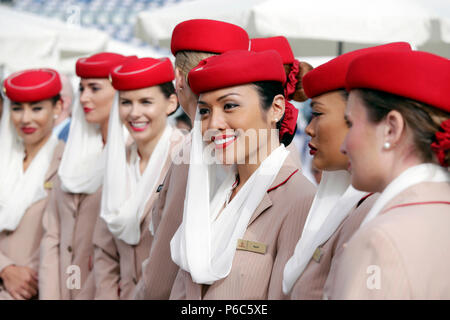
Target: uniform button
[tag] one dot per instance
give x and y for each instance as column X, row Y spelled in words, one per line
column 69, row 248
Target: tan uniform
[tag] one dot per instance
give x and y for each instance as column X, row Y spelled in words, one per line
column 277, row 223
column 67, row 250
column 158, row 270
column 404, row 253
column 21, row 246
column 118, row 265
column 310, row 284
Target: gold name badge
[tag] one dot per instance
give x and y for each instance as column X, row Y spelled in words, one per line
column 251, row 246
column 48, row 185
column 317, row 255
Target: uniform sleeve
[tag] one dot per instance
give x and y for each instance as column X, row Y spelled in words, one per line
column 4, row 261
column 106, row 263
column 370, row 267
column 158, row 270
column 290, row 233
column 49, row 269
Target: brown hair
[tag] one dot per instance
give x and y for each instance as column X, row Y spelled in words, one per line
column 299, row 94
column 423, row 120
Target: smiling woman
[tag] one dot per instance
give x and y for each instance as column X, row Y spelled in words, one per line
column 250, row 223
column 31, row 156
column 75, row 199
column 124, row 231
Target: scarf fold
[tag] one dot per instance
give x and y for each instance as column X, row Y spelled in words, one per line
column 83, row 161
column 205, row 243
column 334, row 200
column 426, row 172
column 19, row 189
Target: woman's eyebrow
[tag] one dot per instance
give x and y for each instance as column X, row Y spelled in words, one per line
column 226, row 95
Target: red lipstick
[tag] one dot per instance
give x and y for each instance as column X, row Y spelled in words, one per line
column 28, row 130
column 312, row 150
column 223, row 141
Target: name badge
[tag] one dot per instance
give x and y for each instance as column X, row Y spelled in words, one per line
column 317, row 255
column 48, row 185
column 251, row 246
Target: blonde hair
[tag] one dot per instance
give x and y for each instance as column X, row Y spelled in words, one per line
column 185, row 60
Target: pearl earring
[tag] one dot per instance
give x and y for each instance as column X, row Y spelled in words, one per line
column 276, row 119
column 386, row 145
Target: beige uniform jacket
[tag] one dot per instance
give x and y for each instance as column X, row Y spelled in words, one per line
column 404, row 253
column 118, row 265
column 67, row 250
column 158, row 270
column 310, row 284
column 21, row 246
column 277, row 223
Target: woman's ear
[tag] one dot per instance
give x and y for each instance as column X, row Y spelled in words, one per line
column 394, row 128
column 180, row 81
column 277, row 109
column 57, row 108
column 172, row 104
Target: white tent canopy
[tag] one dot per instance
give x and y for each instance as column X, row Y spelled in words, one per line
column 156, row 26
column 32, row 41
column 29, row 40
column 315, row 27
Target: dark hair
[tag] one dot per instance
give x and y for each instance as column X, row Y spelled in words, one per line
column 267, row 91
column 167, row 90
column 344, row 94
column 423, row 119
column 183, row 117
column 55, row 99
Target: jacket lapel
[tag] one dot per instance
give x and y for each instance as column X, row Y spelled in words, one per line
column 54, row 164
column 285, row 172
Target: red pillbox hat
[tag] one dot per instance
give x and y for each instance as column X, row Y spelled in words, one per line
column 234, row 68
column 99, row 65
column 416, row 75
column 208, row 36
column 32, row 85
column 280, row 44
column 330, row 76
column 142, row 73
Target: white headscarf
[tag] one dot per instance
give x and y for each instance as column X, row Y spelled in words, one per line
column 125, row 191
column 19, row 189
column 334, row 200
column 426, row 172
column 83, row 161
column 205, row 243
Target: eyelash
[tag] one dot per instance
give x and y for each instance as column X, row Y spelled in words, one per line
column 316, row 114
column 231, row 105
column 203, row 111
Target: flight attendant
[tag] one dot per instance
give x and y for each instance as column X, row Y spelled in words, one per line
column 122, row 238
column 28, row 165
column 192, row 41
column 398, row 117
column 67, row 251
column 293, row 88
column 234, row 239
column 338, row 208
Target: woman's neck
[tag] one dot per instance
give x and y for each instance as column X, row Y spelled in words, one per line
column 246, row 170
column 32, row 150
